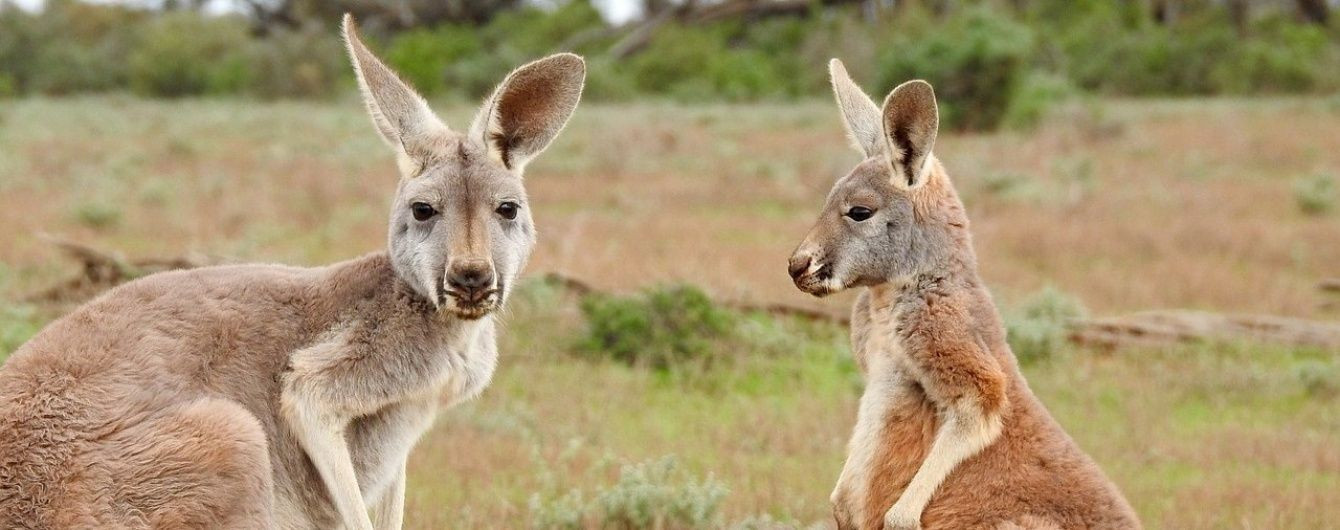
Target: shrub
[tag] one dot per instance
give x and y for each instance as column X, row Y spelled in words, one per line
column 98, row 214
column 660, row 327
column 68, row 47
column 676, row 60
column 531, row 32
column 1278, row 56
column 659, row 495
column 187, row 54
column 567, row 512
column 1109, row 50
column 301, row 63
column 605, row 81
column 1037, row 329
column 1036, row 94
column 1319, row 378
column 976, row 61
column 1315, row 195
column 424, row 56
column 655, row 494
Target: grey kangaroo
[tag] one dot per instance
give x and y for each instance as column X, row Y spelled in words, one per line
column 265, row 396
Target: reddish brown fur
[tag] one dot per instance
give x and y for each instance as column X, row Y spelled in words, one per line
column 1033, row 475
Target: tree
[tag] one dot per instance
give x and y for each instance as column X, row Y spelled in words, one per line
column 1314, row 11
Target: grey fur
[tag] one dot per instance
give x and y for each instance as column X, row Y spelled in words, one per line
column 259, row 396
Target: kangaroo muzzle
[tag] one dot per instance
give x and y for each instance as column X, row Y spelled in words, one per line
column 470, row 281
column 810, row 272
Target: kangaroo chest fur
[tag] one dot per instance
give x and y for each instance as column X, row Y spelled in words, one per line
column 895, row 421
column 381, row 430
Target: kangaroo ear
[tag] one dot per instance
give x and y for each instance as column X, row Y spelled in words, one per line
column 401, row 115
column 529, row 108
column 859, row 113
column 911, row 122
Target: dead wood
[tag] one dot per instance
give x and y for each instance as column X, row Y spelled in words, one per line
column 101, row 270
column 1161, row 328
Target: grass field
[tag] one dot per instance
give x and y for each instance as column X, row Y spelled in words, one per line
column 1126, row 205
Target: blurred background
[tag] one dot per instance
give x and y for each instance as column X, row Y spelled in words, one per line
column 1152, row 185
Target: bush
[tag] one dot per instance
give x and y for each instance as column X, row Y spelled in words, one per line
column 1315, row 195
column 1318, row 378
column 656, row 494
column 660, row 328
column 1107, row 49
column 186, row 54
column 424, row 56
column 1037, row 329
column 677, row 62
column 659, row 495
column 982, row 57
column 1281, row 56
column 1036, row 95
column 69, row 47
column 301, row 63
column 531, row 32
column 976, row 62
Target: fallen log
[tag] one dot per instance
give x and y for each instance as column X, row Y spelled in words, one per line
column 101, row 270
column 1162, row 328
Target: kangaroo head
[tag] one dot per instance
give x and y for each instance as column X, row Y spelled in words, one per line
column 460, row 226
column 896, row 214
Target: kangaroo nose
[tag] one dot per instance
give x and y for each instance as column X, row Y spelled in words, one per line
column 798, row 265
column 472, row 279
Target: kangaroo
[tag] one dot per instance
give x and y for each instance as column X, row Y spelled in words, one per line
column 948, row 434
column 265, row 396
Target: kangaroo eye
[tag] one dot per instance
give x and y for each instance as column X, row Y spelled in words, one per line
column 859, row 213
column 508, row 209
column 422, row 211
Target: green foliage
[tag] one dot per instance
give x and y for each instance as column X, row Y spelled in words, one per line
column 976, row 61
column 566, row 512
column 993, row 63
column 1107, row 49
column 185, row 54
column 653, row 494
column 468, row 61
column 424, row 56
column 1283, row 57
column 1315, row 195
column 660, row 327
column 1036, row 95
column 696, row 63
column 1319, row 378
column 98, row 214
column 1037, row 329
column 659, row 495
column 301, row 63
column 70, row 47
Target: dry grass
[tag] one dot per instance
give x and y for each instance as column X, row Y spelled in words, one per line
column 1132, row 206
